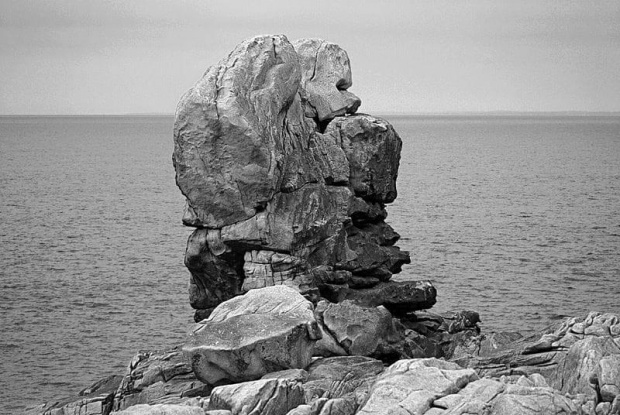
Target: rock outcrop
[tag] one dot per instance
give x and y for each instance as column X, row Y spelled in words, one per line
column 158, row 377
column 433, row 387
column 580, row 356
column 570, row 369
column 284, row 183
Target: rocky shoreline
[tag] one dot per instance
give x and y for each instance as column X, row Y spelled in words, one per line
column 571, row 368
column 291, row 263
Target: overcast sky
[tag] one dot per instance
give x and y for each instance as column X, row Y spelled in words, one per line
column 117, row 57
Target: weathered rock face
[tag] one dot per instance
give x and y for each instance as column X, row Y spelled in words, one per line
column 264, row 396
column 326, row 76
column 346, row 378
column 578, row 357
column 284, row 183
column 158, row 377
column 432, row 387
column 411, row 386
column 266, row 330
column 162, row 409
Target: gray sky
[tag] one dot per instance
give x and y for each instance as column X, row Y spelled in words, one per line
column 116, row 57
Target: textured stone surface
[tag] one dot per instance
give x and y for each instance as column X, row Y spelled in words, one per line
column 568, row 355
column 338, row 377
column 158, row 377
column 358, row 330
column 95, row 405
column 432, row 387
column 372, row 148
column 606, row 377
column 162, row 409
column 268, row 268
column 411, row 386
column 235, row 116
column 259, row 397
column 572, row 368
column 350, row 329
column 278, row 181
column 97, row 399
column 325, row 78
column 398, row 297
column 527, row 397
column 264, row 331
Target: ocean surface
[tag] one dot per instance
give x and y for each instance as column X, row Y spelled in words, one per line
column 517, row 218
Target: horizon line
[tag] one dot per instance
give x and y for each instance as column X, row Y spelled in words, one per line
column 387, row 113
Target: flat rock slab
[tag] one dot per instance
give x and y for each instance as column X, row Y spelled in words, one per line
column 266, row 330
column 398, row 297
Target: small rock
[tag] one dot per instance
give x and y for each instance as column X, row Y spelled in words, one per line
column 337, row 377
column 608, row 375
column 358, row 330
column 161, row 409
column 397, row 297
column 259, row 397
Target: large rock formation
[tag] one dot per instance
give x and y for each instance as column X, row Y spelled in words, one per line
column 283, row 183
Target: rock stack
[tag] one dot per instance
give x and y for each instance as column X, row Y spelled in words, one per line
column 291, row 263
column 285, row 184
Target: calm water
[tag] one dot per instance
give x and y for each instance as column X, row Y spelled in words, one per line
column 518, row 218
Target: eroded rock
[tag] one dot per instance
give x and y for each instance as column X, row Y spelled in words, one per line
column 158, row 377
column 607, row 377
column 411, row 386
column 526, row 396
column 398, row 297
column 281, row 178
column 341, row 377
column 162, row 409
column 568, row 356
column 326, row 76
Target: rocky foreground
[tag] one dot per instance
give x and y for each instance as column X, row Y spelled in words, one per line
column 291, row 264
column 236, row 363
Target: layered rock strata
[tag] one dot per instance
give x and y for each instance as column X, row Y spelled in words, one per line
column 284, row 183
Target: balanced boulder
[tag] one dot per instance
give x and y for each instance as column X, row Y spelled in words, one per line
column 263, row 331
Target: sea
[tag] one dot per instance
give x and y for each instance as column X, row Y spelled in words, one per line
column 514, row 216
